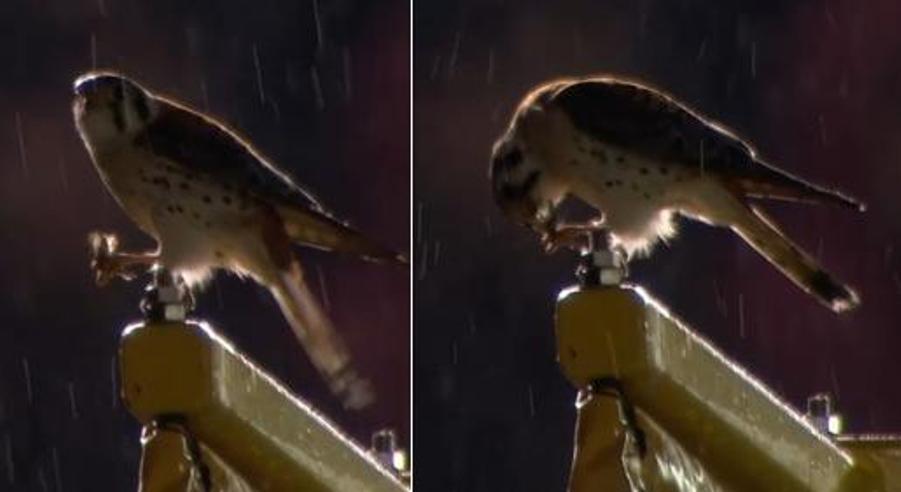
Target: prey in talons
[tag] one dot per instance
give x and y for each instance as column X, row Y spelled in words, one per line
column 108, row 262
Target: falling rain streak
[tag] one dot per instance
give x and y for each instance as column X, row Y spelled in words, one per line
column 319, row 40
column 93, row 51
column 73, row 407
column 259, row 72
column 114, row 382
column 531, row 401
column 348, row 86
column 63, row 175
column 57, row 476
column 26, row 370
column 455, row 52
column 317, row 88
column 23, row 155
column 10, row 463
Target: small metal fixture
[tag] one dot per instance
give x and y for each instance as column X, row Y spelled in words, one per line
column 384, row 448
column 166, row 298
column 601, row 265
column 820, row 414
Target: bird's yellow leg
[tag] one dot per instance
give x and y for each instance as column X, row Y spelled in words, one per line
column 108, row 262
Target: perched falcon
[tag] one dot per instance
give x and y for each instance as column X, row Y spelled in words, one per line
column 641, row 157
column 212, row 201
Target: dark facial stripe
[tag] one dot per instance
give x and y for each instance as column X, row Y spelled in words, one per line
column 512, row 159
column 118, row 116
column 139, row 101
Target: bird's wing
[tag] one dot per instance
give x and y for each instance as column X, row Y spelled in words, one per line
column 209, row 148
column 650, row 123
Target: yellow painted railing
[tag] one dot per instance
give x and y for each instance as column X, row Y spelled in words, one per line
column 216, row 422
column 707, row 423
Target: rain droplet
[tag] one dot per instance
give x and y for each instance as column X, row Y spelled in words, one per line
column 753, row 59
column 259, row 70
column 348, row 87
column 42, row 480
column 56, row 474
column 424, row 266
column 455, row 52
column 419, row 207
column 93, row 51
column 437, row 254
column 319, row 40
column 114, row 382
column 10, row 463
column 701, row 51
column 317, row 88
column 26, row 369
column 531, row 401
column 63, row 176
column 204, row 93
column 23, row 155
column 73, row 406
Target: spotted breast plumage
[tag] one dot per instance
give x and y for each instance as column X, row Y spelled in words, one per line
column 640, row 157
column 212, row 201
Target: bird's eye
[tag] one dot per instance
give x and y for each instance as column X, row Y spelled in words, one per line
column 511, row 159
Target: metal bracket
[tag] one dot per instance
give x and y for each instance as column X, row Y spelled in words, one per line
column 601, row 265
column 176, row 423
column 635, row 443
column 166, row 297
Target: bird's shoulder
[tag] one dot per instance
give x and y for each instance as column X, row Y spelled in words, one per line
column 206, row 146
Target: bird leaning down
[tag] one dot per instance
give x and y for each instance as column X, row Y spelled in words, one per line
column 212, row 201
column 640, row 157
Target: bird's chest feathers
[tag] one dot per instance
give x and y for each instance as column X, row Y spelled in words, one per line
column 636, row 194
column 193, row 216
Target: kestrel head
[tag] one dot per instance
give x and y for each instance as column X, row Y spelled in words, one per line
column 520, row 183
column 108, row 106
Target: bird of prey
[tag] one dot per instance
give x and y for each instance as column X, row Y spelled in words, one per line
column 640, row 157
column 212, row 201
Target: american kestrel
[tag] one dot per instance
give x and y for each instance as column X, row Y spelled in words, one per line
column 212, row 201
column 640, row 157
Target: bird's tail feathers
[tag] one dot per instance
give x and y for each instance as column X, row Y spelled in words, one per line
column 319, row 338
column 766, row 238
column 321, row 231
column 772, row 183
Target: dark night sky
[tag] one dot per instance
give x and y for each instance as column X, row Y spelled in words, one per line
column 815, row 85
column 351, row 146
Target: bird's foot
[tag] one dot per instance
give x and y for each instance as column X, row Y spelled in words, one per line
column 574, row 236
column 108, row 262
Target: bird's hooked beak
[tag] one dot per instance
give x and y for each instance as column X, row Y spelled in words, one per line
column 82, row 89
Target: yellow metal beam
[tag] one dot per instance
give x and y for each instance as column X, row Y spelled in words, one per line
column 701, row 411
column 246, row 419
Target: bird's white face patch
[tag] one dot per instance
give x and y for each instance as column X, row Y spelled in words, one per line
column 110, row 109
